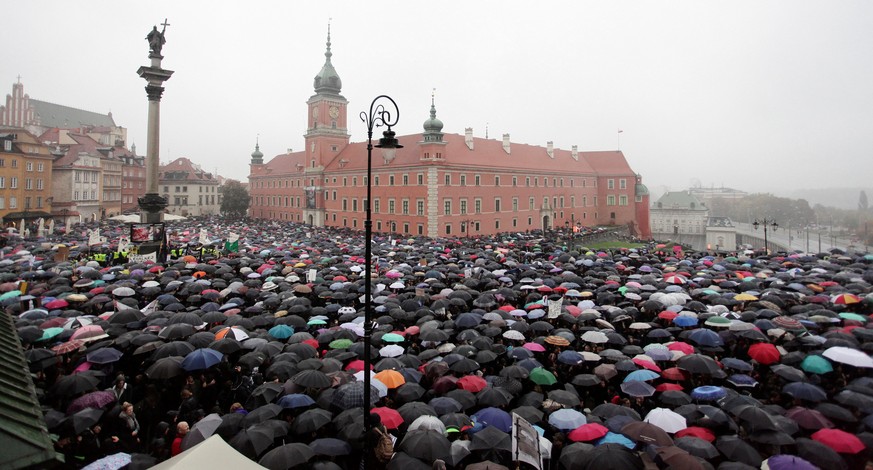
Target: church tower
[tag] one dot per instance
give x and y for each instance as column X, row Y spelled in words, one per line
column 327, row 129
column 326, row 136
column 432, row 147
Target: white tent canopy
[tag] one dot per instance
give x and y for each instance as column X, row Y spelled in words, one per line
column 135, row 218
column 211, row 453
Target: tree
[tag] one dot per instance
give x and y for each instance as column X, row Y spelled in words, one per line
column 235, row 201
column 862, row 201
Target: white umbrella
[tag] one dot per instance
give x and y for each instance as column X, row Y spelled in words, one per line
column 666, row 419
column 852, row 357
column 595, row 337
column 392, row 350
column 512, row 334
column 428, row 422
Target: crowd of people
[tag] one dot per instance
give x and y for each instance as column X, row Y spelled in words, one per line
column 628, row 358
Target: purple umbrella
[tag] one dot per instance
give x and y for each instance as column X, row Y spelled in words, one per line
column 789, row 462
column 91, row 400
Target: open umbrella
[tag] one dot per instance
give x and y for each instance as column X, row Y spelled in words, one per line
column 287, row 456
column 646, row 433
column 201, row 431
column 165, row 368
column 852, row 357
column 587, row 432
column 735, row 448
column 666, row 419
column 201, row 359
column 390, row 417
column 311, row 421
column 426, row 445
column 567, row 419
column 839, row 440
column 609, row 456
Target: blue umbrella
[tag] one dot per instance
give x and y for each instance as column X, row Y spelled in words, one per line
column 567, row 419
column 706, row 338
column 104, row 356
column 805, row 391
column 742, row 380
column 494, row 417
column 570, row 357
column 281, row 331
column 708, row 392
column 684, row 321
column 200, row 359
column 613, row 438
column 637, row 388
column 642, row 375
column 295, row 400
column 737, row 364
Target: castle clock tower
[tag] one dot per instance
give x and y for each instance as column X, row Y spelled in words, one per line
column 326, row 135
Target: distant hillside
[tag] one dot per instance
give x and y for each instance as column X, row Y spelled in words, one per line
column 841, row 198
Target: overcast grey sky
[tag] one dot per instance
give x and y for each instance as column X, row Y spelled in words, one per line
column 762, row 96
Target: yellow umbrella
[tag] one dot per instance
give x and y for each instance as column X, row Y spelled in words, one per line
column 744, row 297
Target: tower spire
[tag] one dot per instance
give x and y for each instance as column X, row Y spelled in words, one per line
column 327, row 80
column 433, row 127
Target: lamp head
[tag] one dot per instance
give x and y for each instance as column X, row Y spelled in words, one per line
column 755, row 224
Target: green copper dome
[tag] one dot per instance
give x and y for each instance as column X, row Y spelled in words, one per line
column 257, row 155
column 327, row 80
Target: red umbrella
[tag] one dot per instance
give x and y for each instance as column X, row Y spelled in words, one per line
column 668, row 386
column 764, row 353
column 840, row 441
column 588, row 432
column 698, row 432
column 471, row 383
column 56, row 304
column 846, row 299
column 647, row 365
column 674, row 373
column 357, row 365
column 390, row 417
column 668, row 315
column 680, row 346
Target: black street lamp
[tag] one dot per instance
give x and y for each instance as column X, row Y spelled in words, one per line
column 765, row 222
column 378, row 116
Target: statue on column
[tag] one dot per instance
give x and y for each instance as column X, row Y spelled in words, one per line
column 156, row 40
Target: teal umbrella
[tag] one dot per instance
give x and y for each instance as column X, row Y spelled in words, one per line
column 281, row 331
column 50, row 333
column 816, row 365
column 392, row 338
column 10, row 295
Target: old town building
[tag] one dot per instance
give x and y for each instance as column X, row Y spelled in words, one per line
column 25, row 178
column 189, row 189
column 681, row 217
column 440, row 184
column 133, row 179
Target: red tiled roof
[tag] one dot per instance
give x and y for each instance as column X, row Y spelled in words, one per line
column 610, row 162
column 185, row 165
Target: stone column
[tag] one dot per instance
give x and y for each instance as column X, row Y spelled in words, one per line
column 153, row 203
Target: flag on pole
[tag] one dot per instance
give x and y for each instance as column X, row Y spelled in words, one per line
column 204, row 238
column 232, row 243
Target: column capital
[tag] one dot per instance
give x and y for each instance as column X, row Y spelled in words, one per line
column 154, row 92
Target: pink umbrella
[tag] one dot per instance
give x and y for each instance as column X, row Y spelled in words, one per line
column 682, row 347
column 89, row 333
column 535, row 347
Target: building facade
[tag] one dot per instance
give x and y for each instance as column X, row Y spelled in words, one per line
column 678, row 216
column 133, row 179
column 439, row 184
column 25, row 178
column 721, row 234
column 189, row 189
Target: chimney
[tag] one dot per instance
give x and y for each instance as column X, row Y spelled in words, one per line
column 550, row 149
column 575, row 152
column 468, row 137
column 506, row 144
column 289, row 150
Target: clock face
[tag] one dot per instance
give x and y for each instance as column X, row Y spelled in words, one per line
column 334, row 112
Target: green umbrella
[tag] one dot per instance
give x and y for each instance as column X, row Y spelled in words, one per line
column 10, row 294
column 541, row 376
column 392, row 338
column 316, row 321
column 731, row 259
column 717, row 321
column 50, row 333
column 816, row 365
column 340, row 343
column 843, row 315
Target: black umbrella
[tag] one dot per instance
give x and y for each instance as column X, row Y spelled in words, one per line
column 608, row 456
column 608, row 410
column 737, row 449
column 70, row 385
column 410, row 411
column 287, row 456
column 426, row 445
column 312, row 379
column 491, row 438
column 311, row 420
column 572, row 454
column 409, row 392
column 261, row 414
column 253, row 441
column 230, row 425
column 165, row 368
column 330, row 446
column 492, row 396
column 700, row 364
column 84, row 419
column 819, row 454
